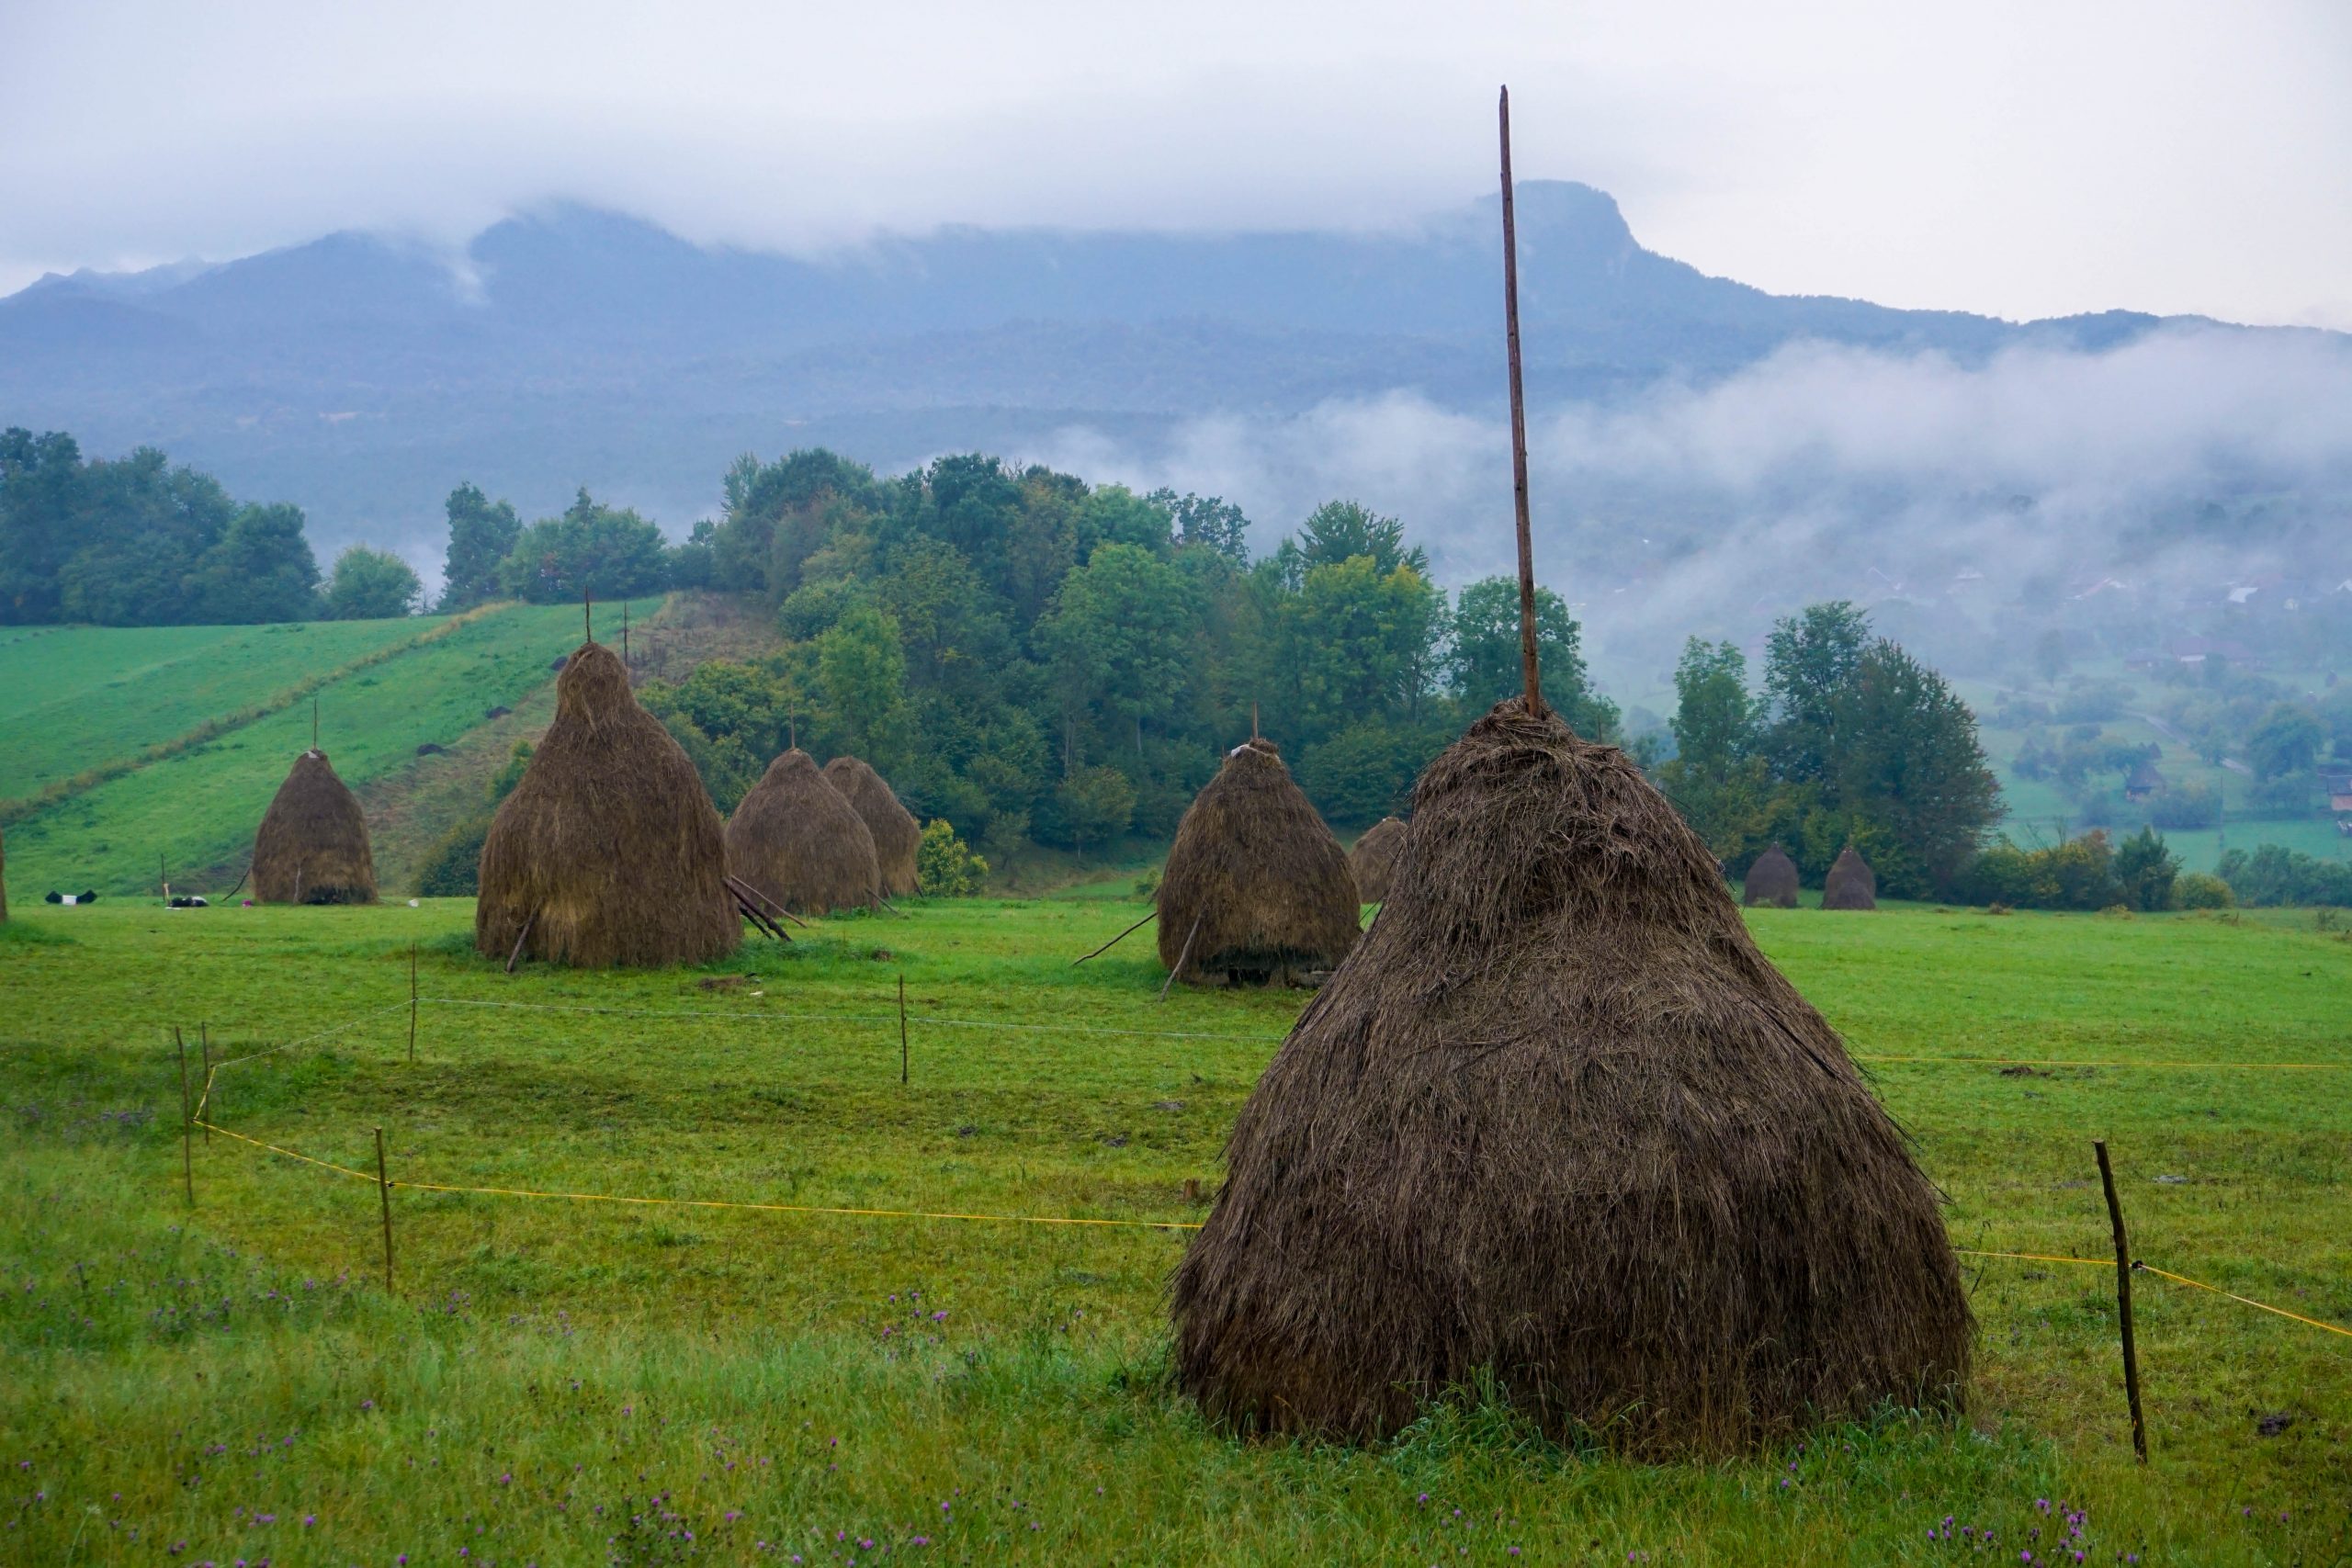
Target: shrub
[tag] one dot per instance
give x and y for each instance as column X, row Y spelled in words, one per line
column 946, row 866
column 2074, row 874
column 2198, row 890
column 2274, row 875
column 2145, row 871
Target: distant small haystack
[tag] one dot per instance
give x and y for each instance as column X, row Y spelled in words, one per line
column 1557, row 1128
column 313, row 845
column 897, row 835
column 800, row 843
column 1256, row 890
column 608, row 852
column 1772, row 880
column 1374, row 858
column 1851, row 883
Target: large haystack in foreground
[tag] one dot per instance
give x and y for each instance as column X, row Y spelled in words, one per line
column 312, row 847
column 897, row 834
column 1256, row 890
column 609, row 852
column 1851, row 883
column 1557, row 1119
column 800, row 843
column 1373, row 860
column 1772, row 880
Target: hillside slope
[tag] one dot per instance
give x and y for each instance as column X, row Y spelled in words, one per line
column 195, row 810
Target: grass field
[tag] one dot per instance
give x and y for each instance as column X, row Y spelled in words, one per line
column 559, row 1381
column 198, row 808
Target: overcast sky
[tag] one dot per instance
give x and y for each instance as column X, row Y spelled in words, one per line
column 2021, row 159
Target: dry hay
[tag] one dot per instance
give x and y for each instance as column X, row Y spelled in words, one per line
column 799, row 842
column 1772, row 880
column 1558, row 1122
column 1373, row 860
column 1851, row 883
column 1255, row 882
column 608, row 852
column 312, row 847
column 897, row 834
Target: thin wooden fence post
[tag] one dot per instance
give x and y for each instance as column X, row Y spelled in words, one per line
column 204, row 1039
column 411, row 1002
column 188, row 1118
column 384, row 1191
column 2123, row 1304
column 902, row 1028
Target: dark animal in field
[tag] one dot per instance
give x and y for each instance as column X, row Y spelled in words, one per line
column 430, row 749
column 57, row 897
column 496, row 713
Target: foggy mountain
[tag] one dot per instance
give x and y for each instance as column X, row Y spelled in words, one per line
column 1705, row 454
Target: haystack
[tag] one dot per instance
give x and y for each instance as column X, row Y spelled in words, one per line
column 799, row 842
column 1557, row 1122
column 312, row 847
column 1373, row 860
column 1256, row 890
column 608, row 852
column 1772, row 880
column 897, row 834
column 1851, row 883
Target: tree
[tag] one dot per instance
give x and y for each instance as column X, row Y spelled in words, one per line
column 861, row 675
column 1485, row 662
column 1722, row 789
column 1359, row 641
column 1339, row 531
column 1116, row 633
column 261, row 570
column 371, row 585
column 1909, row 760
column 1808, row 659
column 483, row 534
column 1207, row 523
column 40, row 495
column 2285, row 742
column 2145, row 871
column 590, row 548
column 1095, row 804
column 141, row 532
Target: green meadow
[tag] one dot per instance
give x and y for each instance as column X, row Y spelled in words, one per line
column 390, row 687
column 552, row 1380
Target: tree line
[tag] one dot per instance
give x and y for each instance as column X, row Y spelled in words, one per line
column 137, row 541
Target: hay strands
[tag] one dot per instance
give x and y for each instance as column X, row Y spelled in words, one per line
column 1118, row 939
column 744, row 890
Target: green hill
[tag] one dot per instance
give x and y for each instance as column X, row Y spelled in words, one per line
column 167, row 744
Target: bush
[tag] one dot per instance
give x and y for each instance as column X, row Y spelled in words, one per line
column 2145, row 871
column 452, row 867
column 2075, row 874
column 2274, row 875
column 2198, row 890
column 946, row 866
column 2185, row 805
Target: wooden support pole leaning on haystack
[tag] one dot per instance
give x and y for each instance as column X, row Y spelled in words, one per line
column 2123, row 1303
column 1118, row 939
column 750, row 911
column 384, row 1192
column 520, row 938
column 1183, row 957
column 1519, row 430
column 745, row 892
column 187, row 1119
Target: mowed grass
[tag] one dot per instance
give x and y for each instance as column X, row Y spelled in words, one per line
column 558, row 1380
column 79, row 697
column 196, row 811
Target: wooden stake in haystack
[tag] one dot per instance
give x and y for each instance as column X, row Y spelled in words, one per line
column 1532, row 675
column 1496, row 1152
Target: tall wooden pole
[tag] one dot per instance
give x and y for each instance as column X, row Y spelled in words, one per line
column 384, row 1191
column 204, row 1042
column 587, row 613
column 902, row 1028
column 411, row 1002
column 314, row 721
column 187, row 1117
column 1534, row 676
column 2123, row 1304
